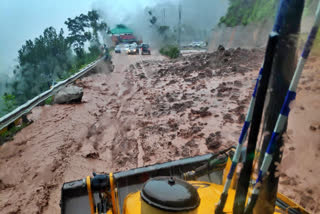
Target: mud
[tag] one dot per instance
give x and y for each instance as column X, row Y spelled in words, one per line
column 300, row 175
column 149, row 110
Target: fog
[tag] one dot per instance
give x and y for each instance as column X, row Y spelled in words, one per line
column 27, row 19
column 198, row 18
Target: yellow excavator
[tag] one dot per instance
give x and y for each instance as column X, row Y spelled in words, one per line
column 210, row 183
column 187, row 186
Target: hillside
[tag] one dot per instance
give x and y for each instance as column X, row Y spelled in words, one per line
column 243, row 12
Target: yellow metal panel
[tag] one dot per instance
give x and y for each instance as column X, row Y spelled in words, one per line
column 291, row 203
column 113, row 194
column 209, row 196
column 226, row 170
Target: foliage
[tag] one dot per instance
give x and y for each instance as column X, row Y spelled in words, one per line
column 163, row 29
column 243, row 12
column 170, row 51
column 40, row 62
column 80, row 27
column 50, row 56
column 8, row 135
column 9, row 102
column 49, row 101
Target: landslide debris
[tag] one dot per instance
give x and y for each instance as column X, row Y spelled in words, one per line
column 155, row 111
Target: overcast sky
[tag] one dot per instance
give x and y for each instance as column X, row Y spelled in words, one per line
column 21, row 20
column 26, row 19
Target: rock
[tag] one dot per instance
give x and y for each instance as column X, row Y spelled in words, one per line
column 191, row 143
column 228, row 118
column 4, row 186
column 179, row 107
column 92, row 155
column 310, row 191
column 69, row 94
column 291, row 148
column 313, row 128
column 142, row 76
column 173, row 125
column 221, row 48
column 202, row 112
column 213, row 140
column 227, row 53
column 237, row 83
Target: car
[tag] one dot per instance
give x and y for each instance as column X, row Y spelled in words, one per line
column 145, row 49
column 198, row 44
column 132, row 49
column 125, row 48
column 117, row 49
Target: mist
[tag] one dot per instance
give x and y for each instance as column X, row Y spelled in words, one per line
column 200, row 17
column 27, row 20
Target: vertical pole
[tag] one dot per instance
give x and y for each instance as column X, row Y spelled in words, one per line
column 164, row 16
column 179, row 30
column 288, row 26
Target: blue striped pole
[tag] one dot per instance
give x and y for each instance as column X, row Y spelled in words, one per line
column 273, row 38
column 284, row 113
column 237, row 153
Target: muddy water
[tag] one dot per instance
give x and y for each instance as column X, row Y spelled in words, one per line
column 149, row 110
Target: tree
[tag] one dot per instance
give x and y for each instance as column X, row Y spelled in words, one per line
column 78, row 34
column 49, row 57
column 97, row 24
column 41, row 61
column 9, row 103
column 80, row 29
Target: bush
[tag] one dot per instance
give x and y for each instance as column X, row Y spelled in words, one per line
column 49, row 101
column 8, row 134
column 170, row 51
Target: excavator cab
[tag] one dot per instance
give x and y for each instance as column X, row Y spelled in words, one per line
column 190, row 185
column 110, row 192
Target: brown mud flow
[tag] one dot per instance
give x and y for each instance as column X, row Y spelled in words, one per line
column 149, row 110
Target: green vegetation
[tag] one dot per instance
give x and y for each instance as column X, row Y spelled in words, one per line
column 49, row 101
column 52, row 57
column 243, row 12
column 170, row 51
column 8, row 135
column 9, row 102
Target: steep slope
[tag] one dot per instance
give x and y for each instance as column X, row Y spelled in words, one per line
column 243, row 12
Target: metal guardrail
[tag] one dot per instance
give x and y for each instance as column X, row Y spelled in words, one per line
column 9, row 118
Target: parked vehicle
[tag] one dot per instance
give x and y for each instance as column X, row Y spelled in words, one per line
column 117, row 49
column 198, row 44
column 145, row 49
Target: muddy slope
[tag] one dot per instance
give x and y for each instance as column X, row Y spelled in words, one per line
column 152, row 111
column 149, row 110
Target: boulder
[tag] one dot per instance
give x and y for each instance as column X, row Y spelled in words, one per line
column 69, row 94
